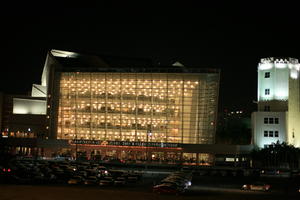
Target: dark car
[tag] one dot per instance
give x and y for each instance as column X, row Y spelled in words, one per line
column 120, row 180
column 91, row 180
column 106, row 181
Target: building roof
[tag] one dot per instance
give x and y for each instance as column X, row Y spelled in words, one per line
column 72, row 61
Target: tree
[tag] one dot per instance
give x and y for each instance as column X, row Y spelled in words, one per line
column 278, row 155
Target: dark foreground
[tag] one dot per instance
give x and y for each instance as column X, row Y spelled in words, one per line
column 35, row 192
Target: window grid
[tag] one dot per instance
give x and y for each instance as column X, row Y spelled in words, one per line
column 271, row 133
column 267, row 91
column 137, row 107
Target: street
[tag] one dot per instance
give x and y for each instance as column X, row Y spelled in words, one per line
column 210, row 188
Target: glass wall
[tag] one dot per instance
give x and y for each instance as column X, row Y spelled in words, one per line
column 149, row 107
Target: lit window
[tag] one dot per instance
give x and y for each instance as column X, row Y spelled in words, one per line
column 276, row 120
column 276, row 134
column 271, row 120
column 267, row 74
column 265, row 133
column 267, row 91
column 270, row 133
column 266, row 120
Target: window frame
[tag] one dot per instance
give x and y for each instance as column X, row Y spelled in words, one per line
column 271, row 133
column 271, row 120
column 267, row 74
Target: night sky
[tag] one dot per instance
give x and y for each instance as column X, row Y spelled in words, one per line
column 232, row 37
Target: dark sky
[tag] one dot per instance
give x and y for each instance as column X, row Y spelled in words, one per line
column 232, row 37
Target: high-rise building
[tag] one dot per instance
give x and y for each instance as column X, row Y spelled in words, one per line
column 278, row 115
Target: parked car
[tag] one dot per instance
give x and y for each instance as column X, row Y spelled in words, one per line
column 167, row 188
column 75, row 180
column 105, row 182
column 91, row 180
column 133, row 177
column 259, row 186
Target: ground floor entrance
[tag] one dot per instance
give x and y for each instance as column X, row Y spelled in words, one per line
column 130, row 154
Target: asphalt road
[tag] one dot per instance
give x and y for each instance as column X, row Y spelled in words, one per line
column 139, row 191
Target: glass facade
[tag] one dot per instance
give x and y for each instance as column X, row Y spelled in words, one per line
column 148, row 107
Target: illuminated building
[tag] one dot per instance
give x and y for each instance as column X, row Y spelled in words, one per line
column 142, row 104
column 278, row 113
column 123, row 108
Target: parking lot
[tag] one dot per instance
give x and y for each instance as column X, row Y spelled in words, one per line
column 94, row 178
column 65, row 172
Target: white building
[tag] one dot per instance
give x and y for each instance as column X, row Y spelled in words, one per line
column 278, row 115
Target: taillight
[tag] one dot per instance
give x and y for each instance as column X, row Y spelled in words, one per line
column 8, row 170
column 4, row 169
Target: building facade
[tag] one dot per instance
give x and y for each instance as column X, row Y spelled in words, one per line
column 138, row 107
column 278, row 115
column 105, row 107
column 93, row 102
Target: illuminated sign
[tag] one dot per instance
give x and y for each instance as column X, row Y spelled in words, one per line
column 125, row 143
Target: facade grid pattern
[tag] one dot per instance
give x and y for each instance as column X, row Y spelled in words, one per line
column 148, row 107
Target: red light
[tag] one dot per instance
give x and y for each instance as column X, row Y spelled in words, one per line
column 8, row 170
column 4, row 169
